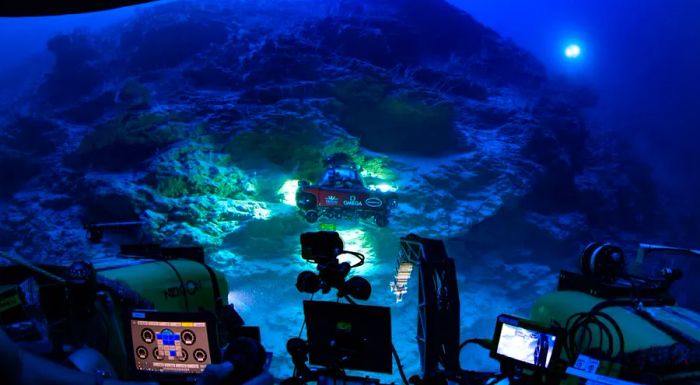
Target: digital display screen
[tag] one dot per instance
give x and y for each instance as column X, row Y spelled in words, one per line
column 356, row 337
column 170, row 347
column 525, row 345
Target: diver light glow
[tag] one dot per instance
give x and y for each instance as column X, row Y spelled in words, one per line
column 288, row 191
column 572, row 51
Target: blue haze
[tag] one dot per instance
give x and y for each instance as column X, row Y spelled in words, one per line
column 642, row 58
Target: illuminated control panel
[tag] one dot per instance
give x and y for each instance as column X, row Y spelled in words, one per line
column 170, row 346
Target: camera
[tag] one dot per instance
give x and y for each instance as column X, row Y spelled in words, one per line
column 339, row 336
column 323, row 248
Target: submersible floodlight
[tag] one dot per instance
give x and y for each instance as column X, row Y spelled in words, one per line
column 572, row 51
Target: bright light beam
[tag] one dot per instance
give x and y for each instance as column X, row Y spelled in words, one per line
column 383, row 187
column 289, row 192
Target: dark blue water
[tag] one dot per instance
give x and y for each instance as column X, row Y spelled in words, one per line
column 641, row 57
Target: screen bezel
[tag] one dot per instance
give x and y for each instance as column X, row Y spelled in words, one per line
column 529, row 325
column 153, row 315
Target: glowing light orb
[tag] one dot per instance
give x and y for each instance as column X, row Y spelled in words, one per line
column 289, row 192
column 383, row 187
column 572, row 51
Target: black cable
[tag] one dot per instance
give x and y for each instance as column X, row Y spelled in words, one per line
column 580, row 337
column 303, row 324
column 218, row 300
column 579, row 329
column 496, row 379
column 301, row 330
column 586, row 338
column 398, row 365
column 573, row 340
column 359, row 256
column 479, row 341
column 572, row 330
column 619, row 333
column 182, row 284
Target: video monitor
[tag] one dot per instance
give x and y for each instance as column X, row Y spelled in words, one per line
column 522, row 342
column 172, row 343
column 349, row 336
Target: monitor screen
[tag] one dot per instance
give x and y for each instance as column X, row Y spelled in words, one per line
column 349, row 336
column 176, row 343
column 527, row 344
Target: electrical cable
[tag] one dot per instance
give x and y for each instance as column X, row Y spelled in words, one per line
column 399, row 365
column 301, row 330
column 303, row 324
column 359, row 256
column 182, row 284
column 483, row 342
column 496, row 379
column 218, row 300
column 580, row 327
